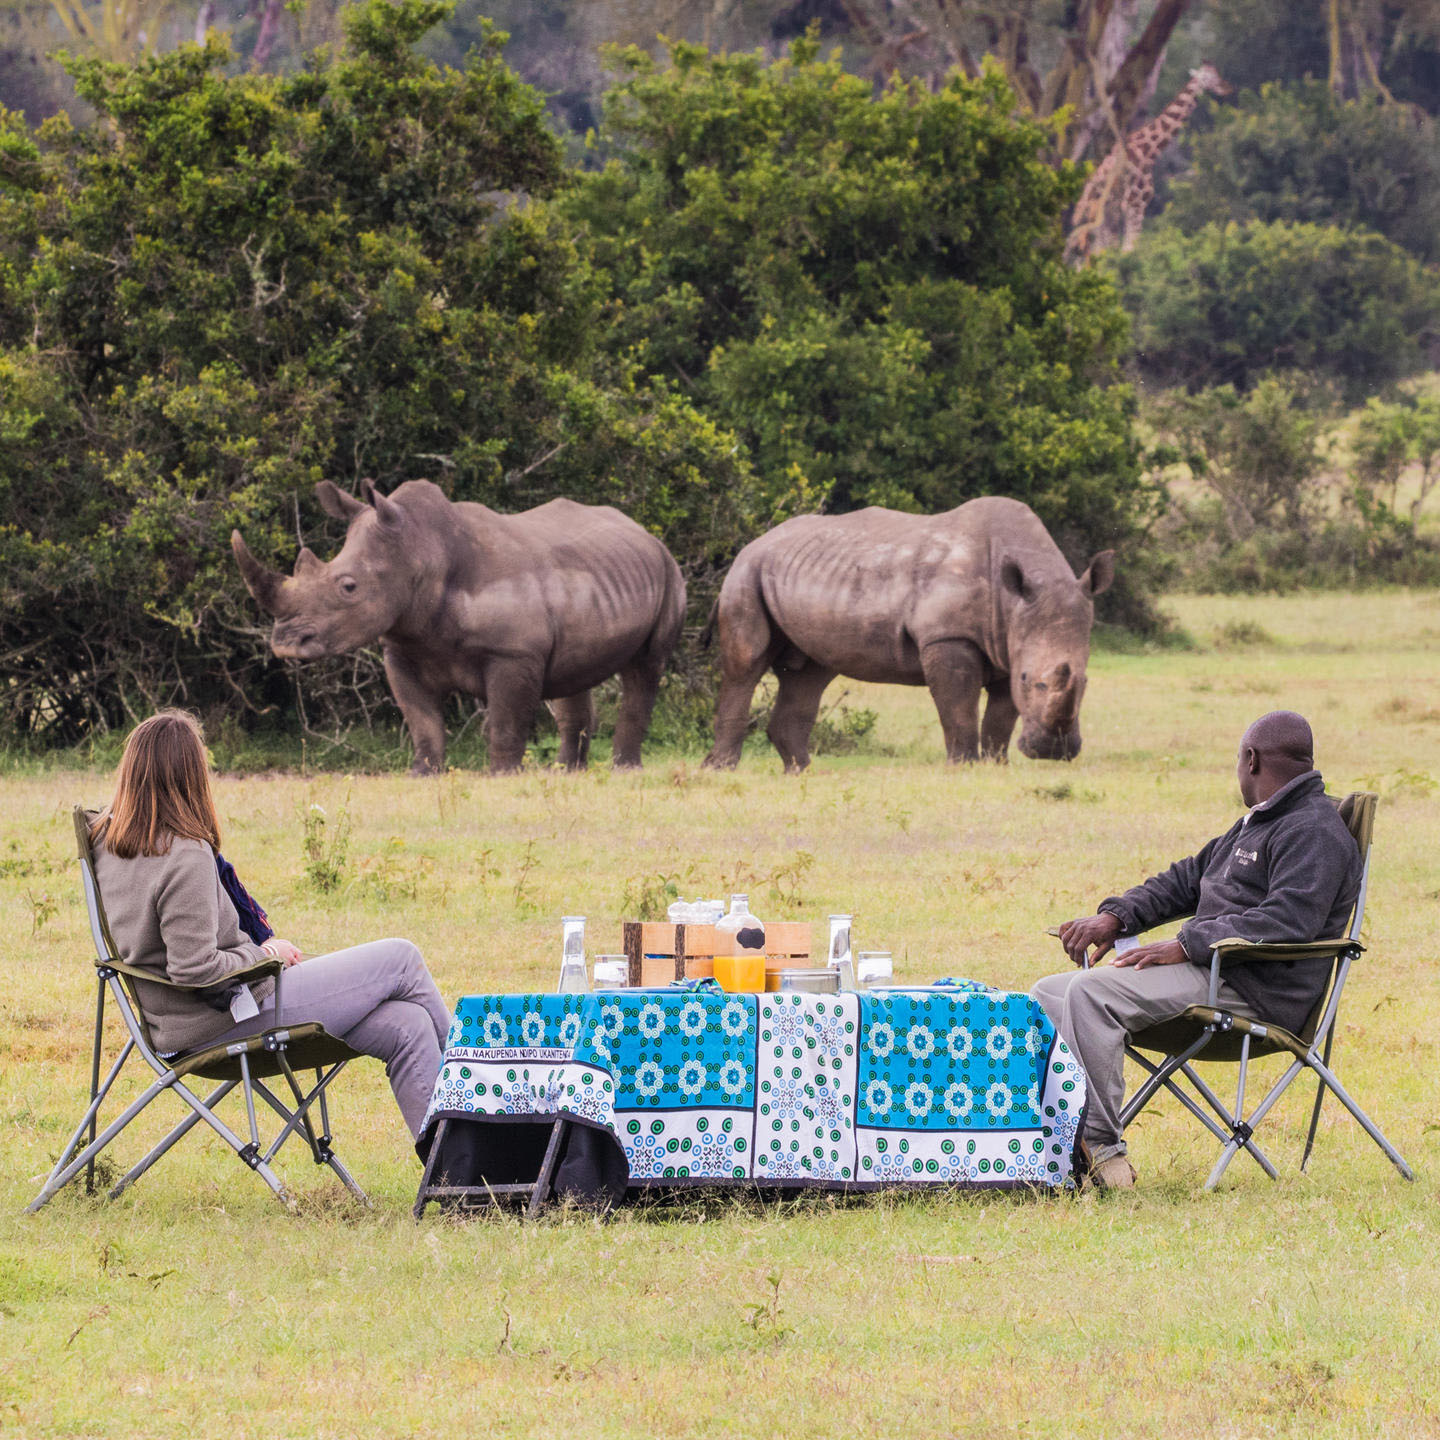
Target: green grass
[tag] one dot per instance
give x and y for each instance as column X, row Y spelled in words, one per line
column 196, row 1307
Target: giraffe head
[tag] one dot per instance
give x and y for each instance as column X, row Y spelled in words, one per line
column 1207, row 77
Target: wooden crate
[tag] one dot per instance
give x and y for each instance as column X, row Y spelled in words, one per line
column 659, row 952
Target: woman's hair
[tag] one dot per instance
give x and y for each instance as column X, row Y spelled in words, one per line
column 162, row 790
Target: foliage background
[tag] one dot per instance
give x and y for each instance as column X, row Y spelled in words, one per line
column 779, row 292
column 716, row 279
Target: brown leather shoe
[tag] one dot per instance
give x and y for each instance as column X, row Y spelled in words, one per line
column 1116, row 1173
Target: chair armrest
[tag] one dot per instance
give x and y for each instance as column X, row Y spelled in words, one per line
column 269, row 966
column 1233, row 949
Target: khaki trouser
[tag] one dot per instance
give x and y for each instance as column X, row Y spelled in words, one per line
column 1097, row 1010
column 380, row 1000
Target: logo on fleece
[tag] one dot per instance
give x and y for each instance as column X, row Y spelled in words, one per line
column 1246, row 857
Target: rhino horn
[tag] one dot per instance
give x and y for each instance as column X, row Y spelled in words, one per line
column 337, row 502
column 263, row 584
column 308, row 561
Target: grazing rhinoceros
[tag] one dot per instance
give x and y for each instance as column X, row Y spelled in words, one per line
column 512, row 609
column 979, row 598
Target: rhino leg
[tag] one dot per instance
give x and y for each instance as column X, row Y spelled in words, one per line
column 575, row 715
column 747, row 645
column 423, row 711
column 512, row 693
column 1001, row 713
column 796, row 706
column 955, row 674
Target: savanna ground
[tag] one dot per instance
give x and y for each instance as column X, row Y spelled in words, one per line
column 196, row 1306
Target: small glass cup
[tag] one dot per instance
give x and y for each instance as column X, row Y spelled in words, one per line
column 612, row 972
column 874, row 966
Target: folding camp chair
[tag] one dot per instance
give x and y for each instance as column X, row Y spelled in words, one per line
column 1210, row 1033
column 247, row 1063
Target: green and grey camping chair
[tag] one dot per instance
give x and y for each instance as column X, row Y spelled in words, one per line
column 1207, row 1032
column 247, row 1063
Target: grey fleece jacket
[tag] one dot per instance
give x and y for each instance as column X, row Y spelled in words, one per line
column 1288, row 870
column 169, row 913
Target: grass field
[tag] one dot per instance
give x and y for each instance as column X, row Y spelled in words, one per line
column 197, row 1307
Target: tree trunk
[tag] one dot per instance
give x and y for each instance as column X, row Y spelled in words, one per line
column 269, row 28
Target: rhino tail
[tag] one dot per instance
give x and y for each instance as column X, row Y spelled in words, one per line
column 707, row 635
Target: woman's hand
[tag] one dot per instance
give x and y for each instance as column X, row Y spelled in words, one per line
column 283, row 951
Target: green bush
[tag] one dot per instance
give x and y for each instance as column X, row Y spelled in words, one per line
column 229, row 286
column 1302, row 154
column 1270, row 516
column 867, row 289
column 1231, row 302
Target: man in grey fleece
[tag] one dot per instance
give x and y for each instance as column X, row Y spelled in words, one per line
column 1286, row 870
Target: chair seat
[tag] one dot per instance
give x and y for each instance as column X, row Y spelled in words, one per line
column 307, row 1047
column 1173, row 1036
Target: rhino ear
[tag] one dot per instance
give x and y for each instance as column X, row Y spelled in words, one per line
column 1100, row 575
column 1012, row 579
column 338, row 503
column 388, row 511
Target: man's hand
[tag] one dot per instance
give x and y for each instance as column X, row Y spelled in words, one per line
column 1162, row 952
column 1077, row 936
column 283, row 951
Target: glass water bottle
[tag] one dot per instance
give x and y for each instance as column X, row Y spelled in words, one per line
column 839, row 956
column 573, row 978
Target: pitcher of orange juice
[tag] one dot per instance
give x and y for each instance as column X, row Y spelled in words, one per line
column 740, row 949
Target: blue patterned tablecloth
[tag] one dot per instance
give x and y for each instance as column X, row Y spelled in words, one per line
column 928, row 1086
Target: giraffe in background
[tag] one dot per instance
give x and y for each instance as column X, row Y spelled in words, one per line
column 1129, row 171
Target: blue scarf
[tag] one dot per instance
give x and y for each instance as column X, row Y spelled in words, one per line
column 253, row 920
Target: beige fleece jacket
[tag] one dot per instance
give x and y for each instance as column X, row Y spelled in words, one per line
column 169, row 913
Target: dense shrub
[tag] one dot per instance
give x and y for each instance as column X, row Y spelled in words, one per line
column 867, row 289
column 1300, row 153
column 1264, row 508
column 1231, row 302
column 229, row 286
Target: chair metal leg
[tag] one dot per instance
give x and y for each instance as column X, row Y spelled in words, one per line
column 87, row 1122
column 294, row 1120
column 347, row 1179
column 60, row 1178
column 299, row 1118
column 95, row 1074
column 1233, row 1135
column 173, row 1138
column 1319, row 1100
column 1366, row 1123
column 1159, row 1075
column 1240, row 1130
column 250, row 1153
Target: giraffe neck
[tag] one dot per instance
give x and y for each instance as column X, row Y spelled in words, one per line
column 1151, row 139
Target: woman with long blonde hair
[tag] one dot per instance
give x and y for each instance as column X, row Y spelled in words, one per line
column 155, row 863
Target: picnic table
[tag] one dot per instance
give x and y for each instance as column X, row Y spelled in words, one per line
column 955, row 1084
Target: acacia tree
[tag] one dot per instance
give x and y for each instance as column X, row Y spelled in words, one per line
column 1091, row 65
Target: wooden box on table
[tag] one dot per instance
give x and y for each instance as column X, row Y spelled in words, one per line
column 659, row 952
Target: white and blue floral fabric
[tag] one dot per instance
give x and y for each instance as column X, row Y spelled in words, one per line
column 960, row 1084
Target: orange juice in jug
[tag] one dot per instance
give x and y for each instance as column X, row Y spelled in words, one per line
column 740, row 949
